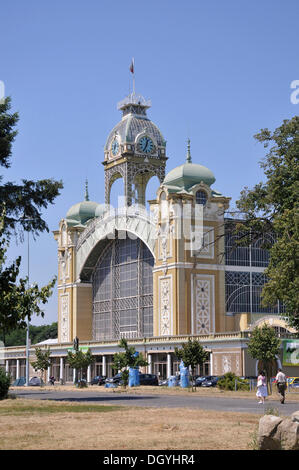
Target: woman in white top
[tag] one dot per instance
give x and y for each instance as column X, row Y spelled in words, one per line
column 262, row 391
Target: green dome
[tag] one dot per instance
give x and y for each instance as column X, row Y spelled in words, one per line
column 183, row 177
column 187, row 175
column 101, row 209
column 81, row 212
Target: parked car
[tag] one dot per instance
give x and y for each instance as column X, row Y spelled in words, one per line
column 116, row 379
column 199, row 380
column 210, row 381
column 148, row 379
column 98, row 380
column 19, row 382
column 35, row 382
column 294, row 382
column 145, row 379
column 273, row 379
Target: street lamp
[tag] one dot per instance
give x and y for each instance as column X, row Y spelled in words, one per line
column 27, row 329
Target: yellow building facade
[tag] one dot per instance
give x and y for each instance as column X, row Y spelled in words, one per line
column 155, row 276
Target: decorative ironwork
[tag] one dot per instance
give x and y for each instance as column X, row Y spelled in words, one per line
column 135, row 175
column 255, row 254
column 243, row 293
column 123, row 291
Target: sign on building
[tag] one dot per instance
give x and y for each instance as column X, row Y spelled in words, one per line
column 290, row 352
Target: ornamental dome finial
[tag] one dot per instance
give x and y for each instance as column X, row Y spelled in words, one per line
column 188, row 156
column 86, row 197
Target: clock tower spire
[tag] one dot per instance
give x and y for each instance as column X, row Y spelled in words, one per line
column 135, row 151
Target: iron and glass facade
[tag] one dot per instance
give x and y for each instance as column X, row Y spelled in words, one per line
column 123, row 291
column 244, row 276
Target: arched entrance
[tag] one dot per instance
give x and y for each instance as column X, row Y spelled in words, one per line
column 122, row 284
column 282, row 330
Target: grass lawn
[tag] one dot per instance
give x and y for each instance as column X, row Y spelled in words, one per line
column 43, row 424
column 46, row 424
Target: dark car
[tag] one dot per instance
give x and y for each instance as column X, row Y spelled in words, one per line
column 210, row 381
column 98, row 380
column 116, row 379
column 145, row 379
column 199, row 380
column 148, row 379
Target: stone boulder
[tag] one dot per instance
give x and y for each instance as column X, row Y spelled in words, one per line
column 267, row 434
column 277, row 433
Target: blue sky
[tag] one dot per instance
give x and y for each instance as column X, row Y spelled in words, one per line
column 215, row 71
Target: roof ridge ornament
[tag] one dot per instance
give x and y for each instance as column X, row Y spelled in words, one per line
column 188, row 156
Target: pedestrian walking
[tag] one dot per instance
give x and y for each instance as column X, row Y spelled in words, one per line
column 262, row 391
column 281, row 382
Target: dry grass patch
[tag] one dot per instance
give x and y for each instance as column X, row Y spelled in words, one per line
column 48, row 425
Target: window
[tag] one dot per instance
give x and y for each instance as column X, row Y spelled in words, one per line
column 201, row 197
column 123, row 291
column 240, row 254
column 243, row 293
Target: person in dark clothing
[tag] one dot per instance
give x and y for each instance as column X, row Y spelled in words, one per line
column 281, row 382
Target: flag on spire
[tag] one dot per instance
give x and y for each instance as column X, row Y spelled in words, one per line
column 132, row 66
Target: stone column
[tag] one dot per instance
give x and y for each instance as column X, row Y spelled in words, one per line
column 48, row 373
column 150, row 364
column 7, row 366
column 211, row 364
column 89, row 374
column 61, row 371
column 168, row 365
column 18, row 369
column 104, row 369
column 74, row 375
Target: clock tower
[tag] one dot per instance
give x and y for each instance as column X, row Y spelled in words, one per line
column 135, row 151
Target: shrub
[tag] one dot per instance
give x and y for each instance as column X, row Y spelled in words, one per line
column 4, row 384
column 231, row 381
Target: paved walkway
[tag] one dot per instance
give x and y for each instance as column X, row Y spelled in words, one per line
column 239, row 405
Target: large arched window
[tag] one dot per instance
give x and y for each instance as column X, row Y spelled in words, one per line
column 123, row 291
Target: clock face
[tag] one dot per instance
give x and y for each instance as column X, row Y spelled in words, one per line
column 115, row 147
column 146, row 144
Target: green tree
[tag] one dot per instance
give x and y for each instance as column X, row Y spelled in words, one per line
column 23, row 202
column 20, row 209
column 264, row 346
column 129, row 358
column 18, row 302
column 37, row 334
column 42, row 361
column 79, row 360
column 4, row 384
column 192, row 354
column 272, row 207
